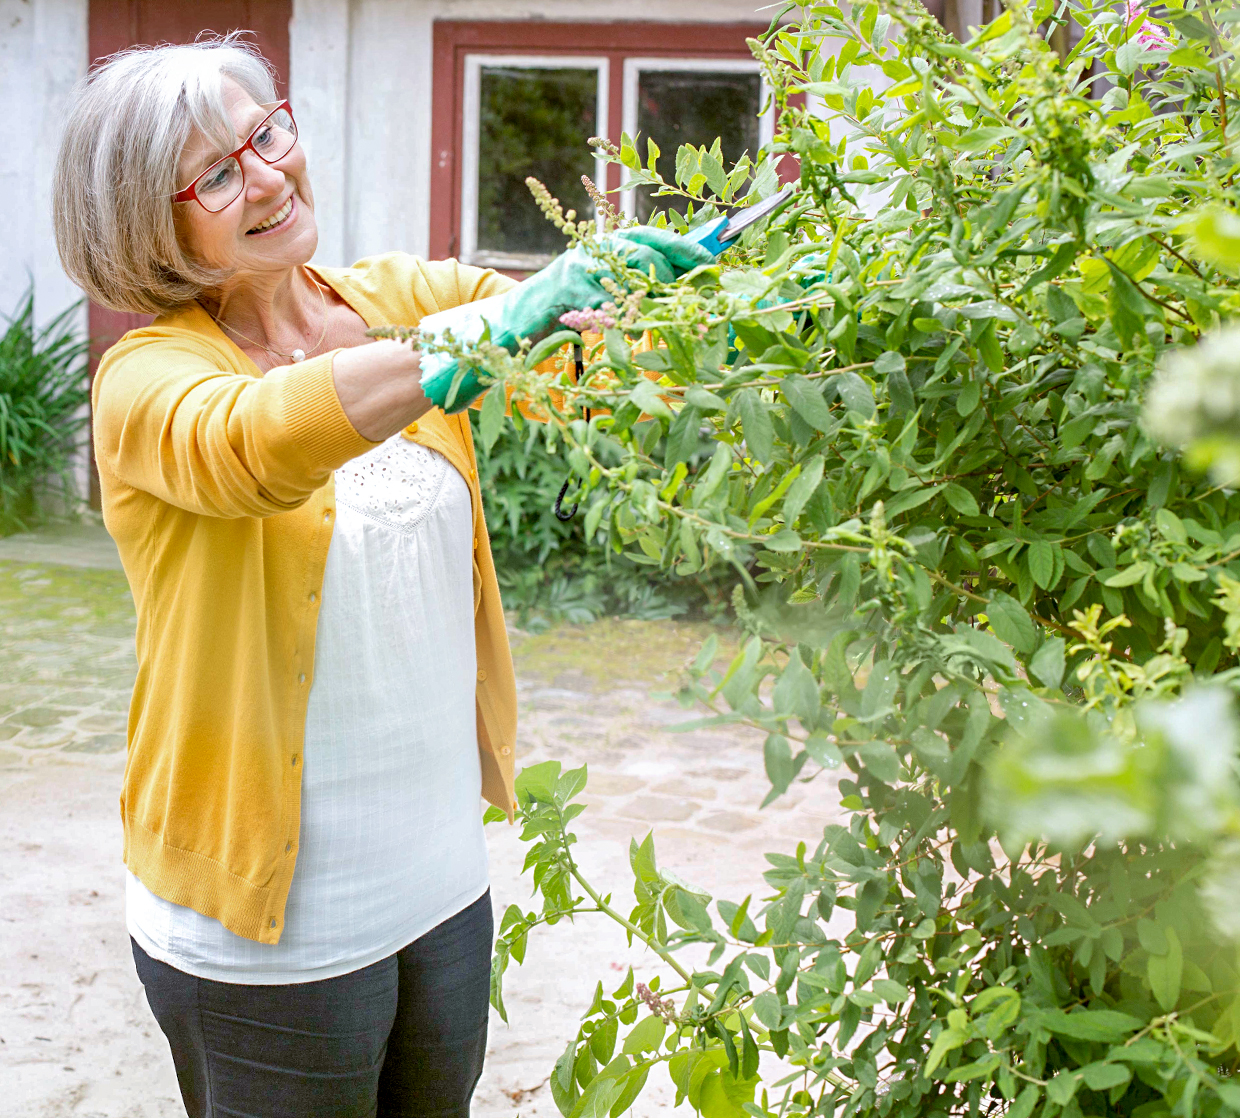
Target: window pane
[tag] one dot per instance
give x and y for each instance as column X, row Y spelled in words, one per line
column 677, row 107
column 532, row 122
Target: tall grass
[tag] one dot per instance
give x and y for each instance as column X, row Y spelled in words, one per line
column 43, row 393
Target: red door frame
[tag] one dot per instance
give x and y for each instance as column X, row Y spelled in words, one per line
column 454, row 39
column 114, row 25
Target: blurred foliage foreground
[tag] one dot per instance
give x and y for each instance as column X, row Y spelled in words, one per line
column 981, row 589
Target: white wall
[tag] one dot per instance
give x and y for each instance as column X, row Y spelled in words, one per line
column 17, row 141
column 380, row 198
column 42, row 55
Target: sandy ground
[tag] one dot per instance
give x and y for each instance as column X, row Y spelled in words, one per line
column 76, row 1036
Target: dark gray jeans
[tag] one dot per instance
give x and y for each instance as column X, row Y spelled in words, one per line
column 402, row 1038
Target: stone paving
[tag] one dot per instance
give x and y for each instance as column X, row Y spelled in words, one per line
column 76, row 1037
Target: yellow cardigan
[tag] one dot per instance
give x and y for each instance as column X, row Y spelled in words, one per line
column 217, row 487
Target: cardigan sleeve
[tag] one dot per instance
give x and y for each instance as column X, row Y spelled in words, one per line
column 169, row 420
column 400, row 289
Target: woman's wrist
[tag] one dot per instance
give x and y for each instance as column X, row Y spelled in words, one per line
column 379, row 388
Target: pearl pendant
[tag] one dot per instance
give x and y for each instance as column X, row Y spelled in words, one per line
column 299, row 355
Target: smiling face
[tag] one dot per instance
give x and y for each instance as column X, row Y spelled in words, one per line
column 269, row 227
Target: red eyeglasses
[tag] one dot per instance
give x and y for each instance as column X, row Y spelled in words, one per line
column 220, row 183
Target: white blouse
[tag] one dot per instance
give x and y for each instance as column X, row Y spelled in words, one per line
column 391, row 839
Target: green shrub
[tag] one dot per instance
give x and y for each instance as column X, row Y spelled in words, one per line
column 992, row 599
column 547, row 569
column 43, row 397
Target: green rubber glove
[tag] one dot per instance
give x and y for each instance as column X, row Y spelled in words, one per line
column 532, row 309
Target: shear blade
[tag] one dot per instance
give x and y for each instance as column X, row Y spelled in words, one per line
column 755, row 213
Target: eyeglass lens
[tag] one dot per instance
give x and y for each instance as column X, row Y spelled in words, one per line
column 220, row 183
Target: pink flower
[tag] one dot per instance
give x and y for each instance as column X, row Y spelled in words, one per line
column 1147, row 34
column 596, row 320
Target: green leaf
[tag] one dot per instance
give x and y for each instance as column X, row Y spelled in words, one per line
column 893, row 993
column 645, row 1036
column 977, row 140
column 491, row 417
column 1165, row 972
column 1152, row 937
column 802, row 489
column 856, row 394
column 824, row 751
column 909, row 499
column 683, row 437
column 807, row 401
column 1106, row 1025
column 890, row 361
column 1062, row 1087
column 536, row 783
column 796, row 691
column 700, row 398
column 1102, row 1077
column 713, row 170
column 1048, row 662
column 1009, row 619
column 969, row 397
column 619, row 352
column 1042, row 563
column 756, row 424
column 777, row 755
column 766, row 1008
column 1024, row 1104
column 784, row 540
column 961, row 499
column 1128, row 307
column 979, row 646
column 947, row 1041
column 645, row 396
column 550, row 345
column 1129, row 576
column 723, row 1096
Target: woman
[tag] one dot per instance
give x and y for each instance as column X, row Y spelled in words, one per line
column 324, row 686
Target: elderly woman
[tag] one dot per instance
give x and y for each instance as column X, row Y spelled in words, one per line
column 324, row 689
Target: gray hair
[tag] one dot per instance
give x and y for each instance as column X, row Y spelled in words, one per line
column 116, row 172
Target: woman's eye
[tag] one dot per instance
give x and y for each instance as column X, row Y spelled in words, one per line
column 217, row 179
column 264, row 138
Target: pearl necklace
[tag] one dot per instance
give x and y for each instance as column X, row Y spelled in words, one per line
column 297, row 355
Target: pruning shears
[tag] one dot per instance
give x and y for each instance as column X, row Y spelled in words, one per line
column 715, row 236
column 719, row 234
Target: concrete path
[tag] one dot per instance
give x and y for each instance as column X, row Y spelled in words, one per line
column 76, row 1036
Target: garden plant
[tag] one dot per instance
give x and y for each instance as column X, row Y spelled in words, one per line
column 548, row 570
column 988, row 603
column 43, row 397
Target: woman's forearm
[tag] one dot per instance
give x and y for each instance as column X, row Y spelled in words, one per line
column 379, row 387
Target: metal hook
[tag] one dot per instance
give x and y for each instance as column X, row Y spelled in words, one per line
column 560, row 514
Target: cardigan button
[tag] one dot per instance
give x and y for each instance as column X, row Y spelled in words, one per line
column 482, row 675
column 504, row 751
column 472, row 473
column 412, row 429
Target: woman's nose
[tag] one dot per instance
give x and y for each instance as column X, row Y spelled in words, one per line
column 261, row 179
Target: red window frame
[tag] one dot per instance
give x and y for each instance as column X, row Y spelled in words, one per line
column 454, row 39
